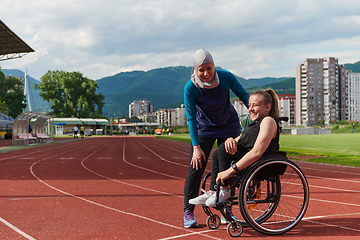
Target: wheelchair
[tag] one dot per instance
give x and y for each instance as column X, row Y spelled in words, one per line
column 271, row 195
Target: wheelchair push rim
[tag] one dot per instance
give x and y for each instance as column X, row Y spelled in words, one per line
column 282, row 202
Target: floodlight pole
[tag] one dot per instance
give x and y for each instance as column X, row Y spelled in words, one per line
column 26, row 91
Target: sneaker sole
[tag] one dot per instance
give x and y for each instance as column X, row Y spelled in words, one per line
column 192, row 226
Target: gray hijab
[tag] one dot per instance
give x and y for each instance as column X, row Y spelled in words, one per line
column 201, row 57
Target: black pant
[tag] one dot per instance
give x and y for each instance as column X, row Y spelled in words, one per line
column 221, row 160
column 194, row 177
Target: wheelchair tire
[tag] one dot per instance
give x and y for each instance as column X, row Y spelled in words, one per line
column 234, row 229
column 276, row 203
column 213, row 222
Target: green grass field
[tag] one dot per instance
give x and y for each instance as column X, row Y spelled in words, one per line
column 338, row 149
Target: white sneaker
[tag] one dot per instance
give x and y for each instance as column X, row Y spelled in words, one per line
column 200, row 200
column 223, row 195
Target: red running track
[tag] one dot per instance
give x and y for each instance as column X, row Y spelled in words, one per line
column 131, row 188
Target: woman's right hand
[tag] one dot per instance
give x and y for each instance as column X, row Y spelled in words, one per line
column 231, row 146
column 197, row 157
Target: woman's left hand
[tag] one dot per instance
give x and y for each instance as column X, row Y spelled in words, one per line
column 222, row 176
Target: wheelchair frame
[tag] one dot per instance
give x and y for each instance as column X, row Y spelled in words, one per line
column 272, row 196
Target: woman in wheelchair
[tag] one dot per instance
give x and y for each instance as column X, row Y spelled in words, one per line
column 258, row 139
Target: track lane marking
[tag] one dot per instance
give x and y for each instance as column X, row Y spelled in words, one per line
column 328, row 201
column 104, row 206
column 332, row 225
column 6, row 222
column 25, row 235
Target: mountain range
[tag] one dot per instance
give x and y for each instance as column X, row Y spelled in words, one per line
column 163, row 87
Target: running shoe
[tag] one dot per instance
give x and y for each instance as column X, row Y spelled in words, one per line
column 224, row 220
column 223, row 195
column 189, row 219
column 200, row 200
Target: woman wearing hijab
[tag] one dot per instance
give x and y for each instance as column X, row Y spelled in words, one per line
column 211, row 117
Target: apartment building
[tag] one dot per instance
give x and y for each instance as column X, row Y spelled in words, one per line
column 353, row 81
column 164, row 116
column 139, row 108
column 178, row 116
column 172, row 116
column 320, row 91
column 287, row 108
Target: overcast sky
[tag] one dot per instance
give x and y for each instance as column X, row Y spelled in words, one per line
column 256, row 38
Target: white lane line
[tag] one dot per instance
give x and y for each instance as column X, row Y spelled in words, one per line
column 331, row 225
column 333, row 171
column 107, row 207
column 186, row 153
column 35, row 152
column 310, row 186
column 331, row 216
column 332, row 179
column 190, row 234
column 163, row 159
column 6, row 222
column 343, row 203
column 334, row 189
column 25, row 235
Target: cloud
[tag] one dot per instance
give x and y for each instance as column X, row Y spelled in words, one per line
column 255, row 38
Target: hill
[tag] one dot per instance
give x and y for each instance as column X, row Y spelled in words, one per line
column 163, row 87
column 286, row 86
column 355, row 67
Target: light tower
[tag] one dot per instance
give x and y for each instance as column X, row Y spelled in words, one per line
column 27, row 91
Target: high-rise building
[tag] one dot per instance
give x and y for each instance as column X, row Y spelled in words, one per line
column 287, row 108
column 353, row 80
column 139, row 108
column 320, row 91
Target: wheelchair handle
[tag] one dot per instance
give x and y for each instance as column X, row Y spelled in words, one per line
column 285, row 119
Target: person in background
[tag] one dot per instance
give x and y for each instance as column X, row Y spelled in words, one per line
column 82, row 131
column 30, row 131
column 211, row 117
column 75, row 132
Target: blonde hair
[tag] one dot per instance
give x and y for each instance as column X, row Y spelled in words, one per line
column 270, row 96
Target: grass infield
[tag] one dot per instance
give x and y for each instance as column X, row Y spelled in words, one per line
column 338, row 149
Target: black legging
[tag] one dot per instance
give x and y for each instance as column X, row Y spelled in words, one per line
column 221, row 160
column 194, row 177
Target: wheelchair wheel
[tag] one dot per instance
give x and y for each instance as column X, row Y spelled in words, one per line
column 234, row 229
column 273, row 201
column 213, row 222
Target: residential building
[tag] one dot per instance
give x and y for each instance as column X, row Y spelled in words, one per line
column 320, row 91
column 353, row 81
column 178, row 116
column 164, row 116
column 139, row 108
column 172, row 116
column 148, row 117
column 287, row 108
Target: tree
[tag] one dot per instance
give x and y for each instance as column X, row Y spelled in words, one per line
column 71, row 94
column 11, row 95
column 3, row 108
